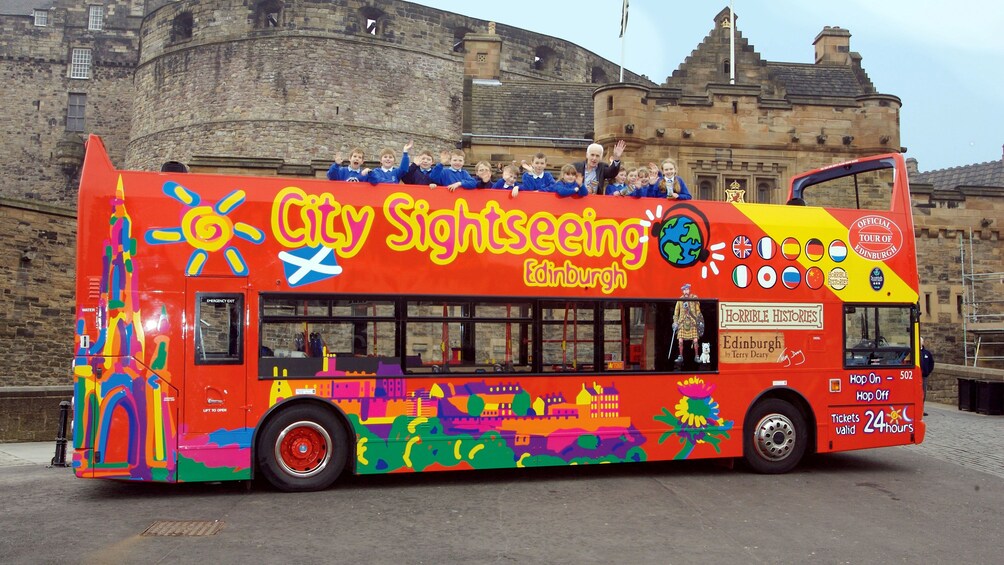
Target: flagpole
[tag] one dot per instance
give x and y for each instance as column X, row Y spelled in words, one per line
column 622, row 59
column 624, row 16
column 732, row 42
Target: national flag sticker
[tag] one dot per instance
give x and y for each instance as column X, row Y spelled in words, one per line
column 791, row 248
column 838, row 251
column 814, row 278
column 742, row 247
column 766, row 248
column 814, row 249
column 791, row 277
column 309, row 265
column 741, row 276
column 766, row 276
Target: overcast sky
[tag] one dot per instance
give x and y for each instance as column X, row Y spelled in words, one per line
column 944, row 60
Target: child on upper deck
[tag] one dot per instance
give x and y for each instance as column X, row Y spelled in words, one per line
column 354, row 171
column 535, row 177
column 619, row 186
column 568, row 185
column 508, row 180
column 388, row 173
column 483, row 174
column 667, row 184
column 453, row 176
column 420, row 172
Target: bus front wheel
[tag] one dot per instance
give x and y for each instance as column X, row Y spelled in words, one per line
column 303, row 448
column 775, row 438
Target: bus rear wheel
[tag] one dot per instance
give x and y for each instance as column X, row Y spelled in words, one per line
column 303, row 448
column 775, row 438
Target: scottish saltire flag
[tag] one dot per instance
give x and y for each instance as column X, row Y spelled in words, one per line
column 309, row 265
column 838, row 250
column 791, row 277
column 766, row 247
column 624, row 14
column 742, row 276
column 742, row 247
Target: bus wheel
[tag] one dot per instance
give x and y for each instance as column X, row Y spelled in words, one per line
column 775, row 437
column 303, row 448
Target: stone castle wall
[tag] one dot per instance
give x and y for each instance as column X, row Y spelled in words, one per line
column 317, row 82
column 35, row 83
column 37, row 266
column 945, row 237
column 732, row 134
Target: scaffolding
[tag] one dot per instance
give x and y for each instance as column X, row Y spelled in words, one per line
column 982, row 310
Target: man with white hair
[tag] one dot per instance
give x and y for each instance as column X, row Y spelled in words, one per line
column 595, row 175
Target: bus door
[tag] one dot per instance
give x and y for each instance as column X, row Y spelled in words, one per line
column 216, row 349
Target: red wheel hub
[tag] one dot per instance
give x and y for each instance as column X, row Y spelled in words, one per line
column 303, row 449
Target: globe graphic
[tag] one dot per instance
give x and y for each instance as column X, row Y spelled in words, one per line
column 680, row 241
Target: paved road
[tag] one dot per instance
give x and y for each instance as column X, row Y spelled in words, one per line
column 968, row 439
column 940, row 502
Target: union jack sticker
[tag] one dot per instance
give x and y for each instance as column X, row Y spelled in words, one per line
column 742, row 247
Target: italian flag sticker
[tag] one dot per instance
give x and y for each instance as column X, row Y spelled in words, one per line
column 741, row 276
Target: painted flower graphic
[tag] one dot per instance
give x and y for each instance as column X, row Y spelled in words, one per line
column 695, row 419
column 207, row 229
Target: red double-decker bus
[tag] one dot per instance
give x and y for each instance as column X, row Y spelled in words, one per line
column 232, row 325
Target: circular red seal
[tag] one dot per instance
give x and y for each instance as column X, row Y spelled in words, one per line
column 875, row 238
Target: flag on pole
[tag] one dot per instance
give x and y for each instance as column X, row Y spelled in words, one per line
column 624, row 18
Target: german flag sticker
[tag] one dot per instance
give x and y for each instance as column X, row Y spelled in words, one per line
column 814, row 249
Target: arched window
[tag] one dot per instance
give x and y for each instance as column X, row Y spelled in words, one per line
column 763, row 190
column 181, row 27
column 705, row 188
column 599, row 76
column 267, row 14
column 372, row 20
column 727, row 67
column 543, row 58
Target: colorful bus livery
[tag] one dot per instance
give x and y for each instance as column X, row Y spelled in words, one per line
column 230, row 325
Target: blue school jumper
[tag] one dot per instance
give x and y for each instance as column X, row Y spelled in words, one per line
column 542, row 183
column 569, row 189
column 391, row 176
column 338, row 172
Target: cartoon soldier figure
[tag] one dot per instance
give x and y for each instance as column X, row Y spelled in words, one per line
column 688, row 322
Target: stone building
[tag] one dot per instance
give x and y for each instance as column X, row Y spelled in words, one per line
column 957, row 223
column 270, row 87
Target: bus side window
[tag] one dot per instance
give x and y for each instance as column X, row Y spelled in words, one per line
column 219, row 335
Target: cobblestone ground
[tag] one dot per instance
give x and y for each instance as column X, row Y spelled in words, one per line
column 975, row 441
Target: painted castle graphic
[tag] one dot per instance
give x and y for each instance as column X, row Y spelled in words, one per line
column 475, row 425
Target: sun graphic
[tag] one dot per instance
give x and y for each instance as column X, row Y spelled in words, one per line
column 207, row 229
column 893, row 415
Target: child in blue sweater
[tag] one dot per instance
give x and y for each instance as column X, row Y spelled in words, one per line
column 354, row 171
column 388, row 173
column 535, row 178
column 619, row 186
column 667, row 184
column 568, row 186
column 455, row 176
column 508, row 180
